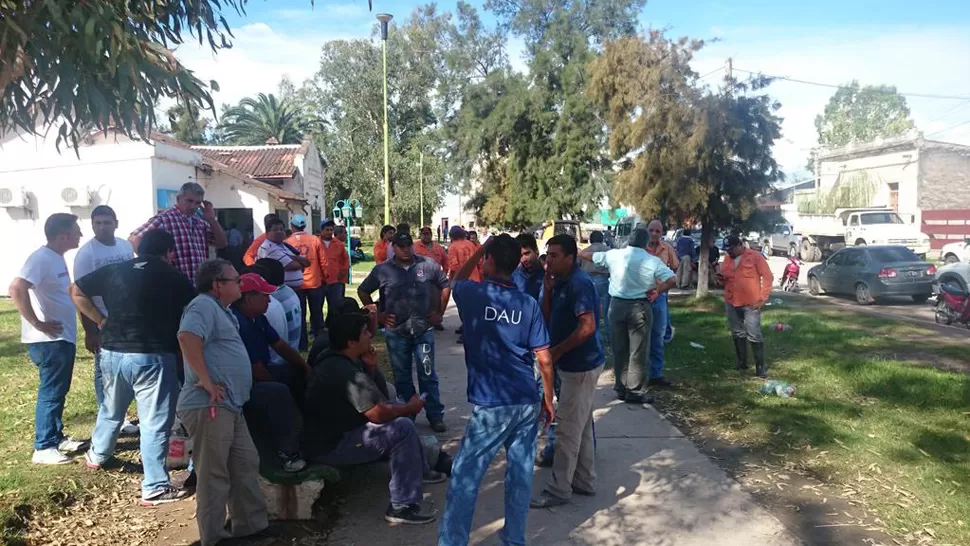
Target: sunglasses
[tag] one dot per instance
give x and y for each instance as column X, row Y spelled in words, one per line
column 234, row 279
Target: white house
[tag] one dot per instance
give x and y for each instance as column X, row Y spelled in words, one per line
column 136, row 178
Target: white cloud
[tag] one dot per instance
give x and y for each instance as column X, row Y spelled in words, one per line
column 924, row 60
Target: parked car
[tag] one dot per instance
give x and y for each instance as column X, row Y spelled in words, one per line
column 873, row 272
column 782, row 240
column 955, row 252
column 957, row 273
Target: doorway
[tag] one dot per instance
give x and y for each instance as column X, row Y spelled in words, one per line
column 238, row 224
column 894, row 196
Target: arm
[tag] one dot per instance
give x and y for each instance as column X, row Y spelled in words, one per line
column 88, row 310
column 137, row 235
column 192, row 353
column 260, row 373
column 382, row 412
column 544, row 357
column 585, row 330
column 766, row 279
column 547, row 285
column 587, row 254
column 249, row 258
column 466, row 268
column 219, row 239
column 291, row 356
column 19, row 293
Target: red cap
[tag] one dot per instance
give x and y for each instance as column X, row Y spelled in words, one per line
column 251, row 282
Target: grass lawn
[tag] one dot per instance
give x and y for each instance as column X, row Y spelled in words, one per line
column 869, row 414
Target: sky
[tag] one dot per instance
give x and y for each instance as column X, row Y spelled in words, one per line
column 919, row 47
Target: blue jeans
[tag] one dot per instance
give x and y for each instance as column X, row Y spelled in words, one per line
column 512, row 427
column 151, row 381
column 402, row 352
column 657, row 332
column 669, row 332
column 98, row 387
column 602, row 284
column 55, row 364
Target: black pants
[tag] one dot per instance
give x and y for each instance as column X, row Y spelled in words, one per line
column 312, row 298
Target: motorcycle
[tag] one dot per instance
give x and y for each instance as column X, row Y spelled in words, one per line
column 356, row 250
column 952, row 305
column 789, row 279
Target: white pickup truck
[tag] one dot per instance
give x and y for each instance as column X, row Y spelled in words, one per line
column 819, row 235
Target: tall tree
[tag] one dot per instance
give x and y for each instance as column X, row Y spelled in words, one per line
column 264, row 119
column 861, row 114
column 692, row 153
column 186, row 123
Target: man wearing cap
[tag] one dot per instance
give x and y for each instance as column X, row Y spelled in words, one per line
column 313, row 289
column 747, row 280
column 337, row 272
column 413, row 291
column 277, row 390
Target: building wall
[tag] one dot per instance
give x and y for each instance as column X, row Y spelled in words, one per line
column 896, row 166
column 944, row 195
column 114, row 172
column 313, row 173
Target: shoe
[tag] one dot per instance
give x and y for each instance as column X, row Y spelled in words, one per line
column 438, row 425
column 645, row 398
column 270, row 531
column 190, row 482
column 129, row 429
column 433, row 477
column 621, row 396
column 89, row 461
column 291, row 463
column 544, row 462
column 163, row 496
column 460, row 340
column 459, row 330
column 583, row 492
column 410, row 514
column 547, row 500
column 673, row 331
column 660, row 382
column 439, row 327
column 70, row 445
column 50, row 455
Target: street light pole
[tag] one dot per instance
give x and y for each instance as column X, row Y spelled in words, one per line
column 421, row 186
column 385, row 18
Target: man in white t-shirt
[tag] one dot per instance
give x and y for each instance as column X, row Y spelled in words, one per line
column 274, row 248
column 289, row 300
column 49, row 329
column 104, row 249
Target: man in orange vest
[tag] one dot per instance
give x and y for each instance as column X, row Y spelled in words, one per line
column 747, row 280
column 337, row 272
column 429, row 249
column 312, row 291
column 380, row 247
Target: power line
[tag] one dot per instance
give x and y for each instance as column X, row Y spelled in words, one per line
column 833, row 86
column 718, row 69
column 948, row 129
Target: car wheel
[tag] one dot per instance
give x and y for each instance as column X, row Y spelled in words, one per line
column 792, row 251
column 942, row 314
column 767, row 244
column 814, row 287
column 950, row 259
column 920, row 298
column 863, row 296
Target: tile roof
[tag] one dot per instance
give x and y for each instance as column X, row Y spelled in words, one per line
column 246, row 179
column 255, row 161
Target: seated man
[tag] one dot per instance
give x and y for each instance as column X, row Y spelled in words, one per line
column 274, row 403
column 350, row 421
column 321, row 344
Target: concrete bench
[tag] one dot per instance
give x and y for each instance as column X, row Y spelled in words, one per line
column 291, row 495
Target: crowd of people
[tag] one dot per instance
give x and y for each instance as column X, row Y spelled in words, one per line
column 220, row 349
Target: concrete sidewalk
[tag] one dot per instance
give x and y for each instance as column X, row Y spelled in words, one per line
column 654, row 487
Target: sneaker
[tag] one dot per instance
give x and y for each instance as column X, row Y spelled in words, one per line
column 438, row 425
column 410, row 514
column 190, row 482
column 673, row 331
column 129, row 429
column 660, row 383
column 70, row 445
column 547, row 500
column 50, row 455
column 543, row 462
column 583, row 492
column 645, row 398
column 433, row 477
column 163, row 496
column 291, row 463
column 89, row 461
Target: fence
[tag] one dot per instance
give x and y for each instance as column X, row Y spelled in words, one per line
column 946, row 226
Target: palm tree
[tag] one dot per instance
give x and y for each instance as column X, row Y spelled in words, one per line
column 264, row 119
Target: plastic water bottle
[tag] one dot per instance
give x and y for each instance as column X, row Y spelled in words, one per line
column 782, row 327
column 778, row 388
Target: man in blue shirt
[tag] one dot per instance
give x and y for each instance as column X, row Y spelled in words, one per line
column 272, row 410
column 506, row 326
column 571, row 307
column 528, row 275
column 687, row 253
column 637, row 278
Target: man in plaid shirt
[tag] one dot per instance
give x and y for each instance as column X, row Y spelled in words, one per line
column 191, row 231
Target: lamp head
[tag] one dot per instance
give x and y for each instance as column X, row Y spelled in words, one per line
column 384, row 18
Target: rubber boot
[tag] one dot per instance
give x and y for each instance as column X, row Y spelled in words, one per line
column 741, row 352
column 759, row 359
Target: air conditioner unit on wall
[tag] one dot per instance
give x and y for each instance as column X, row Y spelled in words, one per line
column 13, row 197
column 75, row 196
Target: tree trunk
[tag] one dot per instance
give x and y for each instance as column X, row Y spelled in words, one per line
column 703, row 267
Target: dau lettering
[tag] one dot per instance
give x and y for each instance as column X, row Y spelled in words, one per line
column 501, row 315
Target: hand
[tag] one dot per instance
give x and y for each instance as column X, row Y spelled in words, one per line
column 652, row 295
column 434, row 317
column 548, row 279
column 386, row 319
column 208, row 211
column 759, row 305
column 548, row 413
column 92, row 342
column 415, row 404
column 50, row 328
column 370, row 359
column 216, row 392
column 371, row 308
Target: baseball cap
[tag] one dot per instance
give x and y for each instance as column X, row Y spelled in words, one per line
column 251, row 282
column 456, row 230
column 731, row 242
column 402, row 238
column 298, row 220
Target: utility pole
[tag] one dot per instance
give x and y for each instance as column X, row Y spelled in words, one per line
column 421, row 186
column 729, row 69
